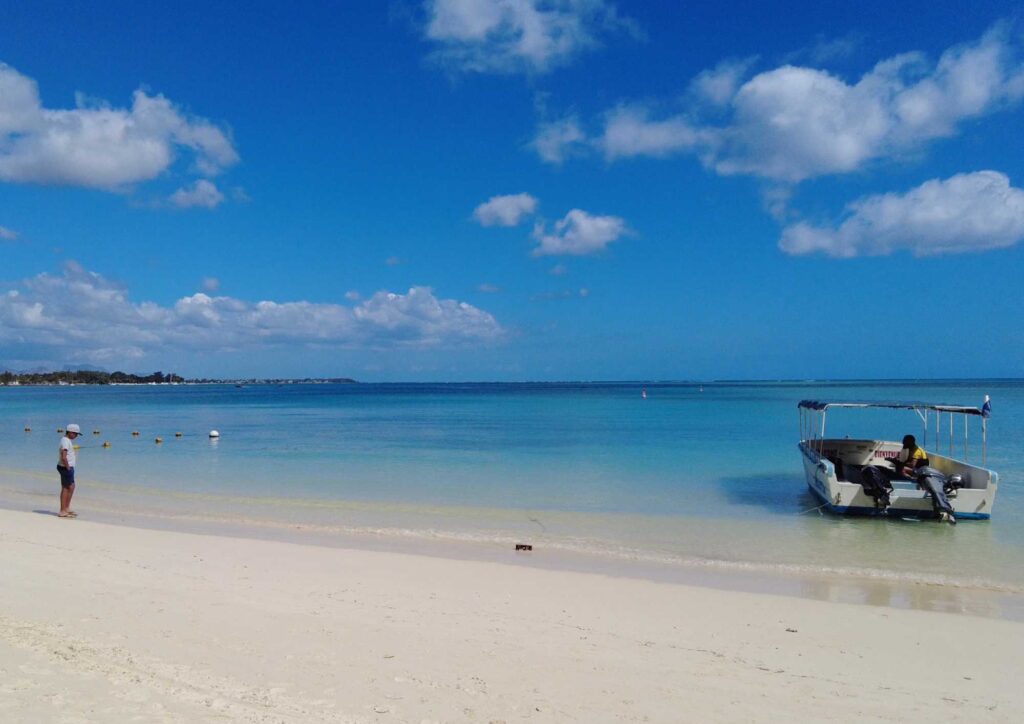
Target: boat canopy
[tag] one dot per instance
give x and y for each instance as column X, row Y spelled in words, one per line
column 811, row 430
column 822, row 405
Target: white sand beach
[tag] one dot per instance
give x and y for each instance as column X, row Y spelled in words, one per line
column 105, row 623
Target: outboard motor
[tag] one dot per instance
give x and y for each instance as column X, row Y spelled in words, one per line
column 954, row 483
column 876, row 485
column 933, row 483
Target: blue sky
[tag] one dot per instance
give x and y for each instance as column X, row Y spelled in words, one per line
column 510, row 189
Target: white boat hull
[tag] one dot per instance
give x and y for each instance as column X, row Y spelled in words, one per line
column 844, row 497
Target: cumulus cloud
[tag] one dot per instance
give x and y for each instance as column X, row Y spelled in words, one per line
column 578, row 234
column 507, row 210
column 557, row 140
column 201, row 193
column 964, row 213
column 8, row 234
column 210, row 284
column 718, row 85
column 81, row 311
column 99, row 146
column 507, row 36
column 792, row 123
column 628, row 131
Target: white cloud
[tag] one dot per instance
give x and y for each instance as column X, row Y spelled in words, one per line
column 775, row 199
column 718, row 85
column 825, row 49
column 201, row 193
column 8, row 234
column 557, row 140
column 486, row 288
column 210, row 284
column 394, row 261
column 98, row 146
column 793, row 123
column 578, row 234
column 581, row 293
column 628, row 132
column 964, row 213
column 507, row 210
column 83, row 312
column 558, row 270
column 507, row 36
column 353, row 296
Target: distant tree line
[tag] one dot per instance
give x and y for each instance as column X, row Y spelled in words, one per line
column 85, row 377
column 95, row 377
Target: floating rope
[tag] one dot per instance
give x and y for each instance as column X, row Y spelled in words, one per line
column 811, row 510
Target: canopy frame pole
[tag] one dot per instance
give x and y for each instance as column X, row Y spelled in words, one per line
column 924, row 421
column 984, row 441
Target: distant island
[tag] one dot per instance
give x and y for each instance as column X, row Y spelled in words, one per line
column 98, row 377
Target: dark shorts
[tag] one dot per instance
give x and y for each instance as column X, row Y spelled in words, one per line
column 67, row 476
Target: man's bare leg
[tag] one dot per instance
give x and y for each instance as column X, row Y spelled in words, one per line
column 65, row 500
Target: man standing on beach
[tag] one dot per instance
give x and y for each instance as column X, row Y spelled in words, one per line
column 66, row 468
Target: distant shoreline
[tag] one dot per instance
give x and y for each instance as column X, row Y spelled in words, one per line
column 33, row 381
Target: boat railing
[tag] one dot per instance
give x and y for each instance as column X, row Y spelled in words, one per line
column 813, row 415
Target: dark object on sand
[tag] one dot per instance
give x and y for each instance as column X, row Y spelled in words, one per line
column 524, row 547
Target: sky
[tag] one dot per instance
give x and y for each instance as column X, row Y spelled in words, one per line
column 513, row 189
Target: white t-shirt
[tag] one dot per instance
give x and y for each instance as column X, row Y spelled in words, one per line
column 66, row 444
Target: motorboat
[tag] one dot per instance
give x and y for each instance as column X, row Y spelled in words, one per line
column 860, row 476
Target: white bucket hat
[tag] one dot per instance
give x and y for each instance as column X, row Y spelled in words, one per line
column 74, row 428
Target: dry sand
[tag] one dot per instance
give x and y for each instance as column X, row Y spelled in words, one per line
column 103, row 623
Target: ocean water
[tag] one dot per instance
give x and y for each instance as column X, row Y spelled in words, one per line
column 693, row 475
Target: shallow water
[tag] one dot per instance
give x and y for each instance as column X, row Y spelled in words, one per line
column 702, row 478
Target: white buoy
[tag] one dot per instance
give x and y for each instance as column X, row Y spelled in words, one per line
column 214, row 433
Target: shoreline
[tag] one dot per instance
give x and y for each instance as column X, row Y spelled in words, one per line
column 107, row 622
column 874, row 588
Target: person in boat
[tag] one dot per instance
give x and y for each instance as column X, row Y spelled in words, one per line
column 910, row 458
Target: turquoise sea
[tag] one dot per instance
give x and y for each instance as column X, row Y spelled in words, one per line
column 695, row 475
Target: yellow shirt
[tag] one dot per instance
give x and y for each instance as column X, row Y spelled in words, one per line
column 912, row 456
